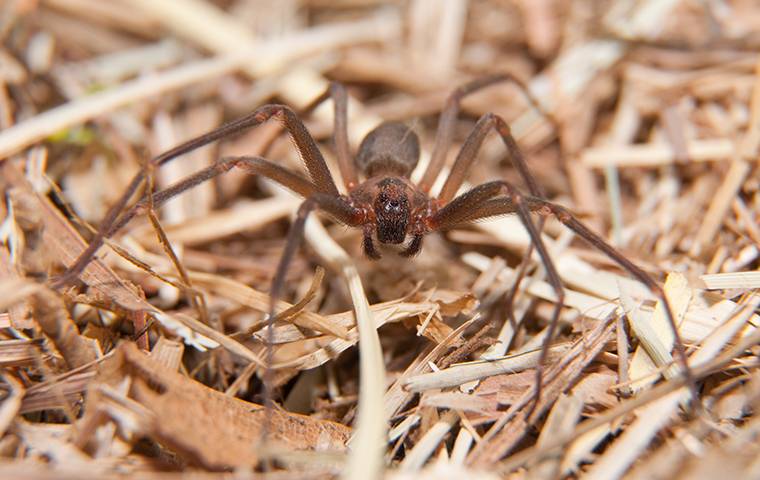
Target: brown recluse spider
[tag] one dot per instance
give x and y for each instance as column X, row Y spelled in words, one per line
column 386, row 205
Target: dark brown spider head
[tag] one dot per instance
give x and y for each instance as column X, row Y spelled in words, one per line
column 392, row 211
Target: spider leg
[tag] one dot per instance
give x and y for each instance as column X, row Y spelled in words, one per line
column 334, row 205
column 459, row 211
column 307, row 147
column 339, row 96
column 468, row 154
column 567, row 218
column 252, row 165
column 464, row 209
column 339, row 209
column 448, row 120
column 477, row 203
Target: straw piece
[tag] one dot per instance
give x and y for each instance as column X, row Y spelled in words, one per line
column 200, row 22
column 11, row 403
column 653, row 155
column 510, row 232
column 58, row 393
column 109, row 13
column 53, row 318
column 109, row 68
column 424, row 448
column 461, row 447
column 655, row 332
column 581, row 449
column 11, row 71
column 320, row 350
column 397, row 396
column 745, row 280
column 15, row 290
column 740, row 168
column 635, row 439
column 463, row 373
column 368, row 445
column 67, row 245
column 17, row 353
column 590, row 306
column 259, row 301
column 562, row 420
column 436, row 34
column 205, row 332
column 514, row 423
column 402, row 428
column 720, row 204
column 640, row 21
column 168, row 353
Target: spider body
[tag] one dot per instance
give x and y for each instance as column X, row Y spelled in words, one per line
column 386, row 205
column 393, row 207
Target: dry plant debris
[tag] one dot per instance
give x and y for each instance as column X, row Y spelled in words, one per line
column 152, row 364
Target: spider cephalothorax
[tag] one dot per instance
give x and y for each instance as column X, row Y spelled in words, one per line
column 392, row 212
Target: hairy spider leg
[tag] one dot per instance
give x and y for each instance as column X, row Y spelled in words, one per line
column 305, row 144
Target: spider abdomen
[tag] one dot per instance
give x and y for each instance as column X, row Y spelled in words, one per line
column 391, row 148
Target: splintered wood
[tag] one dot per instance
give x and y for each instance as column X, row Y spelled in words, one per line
column 154, row 362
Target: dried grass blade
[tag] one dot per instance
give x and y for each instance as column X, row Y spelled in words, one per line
column 423, row 449
column 11, row 405
column 561, row 420
column 653, row 155
column 245, row 295
column 368, row 446
column 513, row 424
column 17, row 353
column 66, row 243
column 168, row 353
column 717, row 281
column 462, row 373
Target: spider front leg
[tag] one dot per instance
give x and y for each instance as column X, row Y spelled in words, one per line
column 414, row 247
column 307, row 147
column 341, row 210
column 252, row 165
column 337, row 92
column 467, row 156
column 484, row 201
column 460, row 210
column 445, row 133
